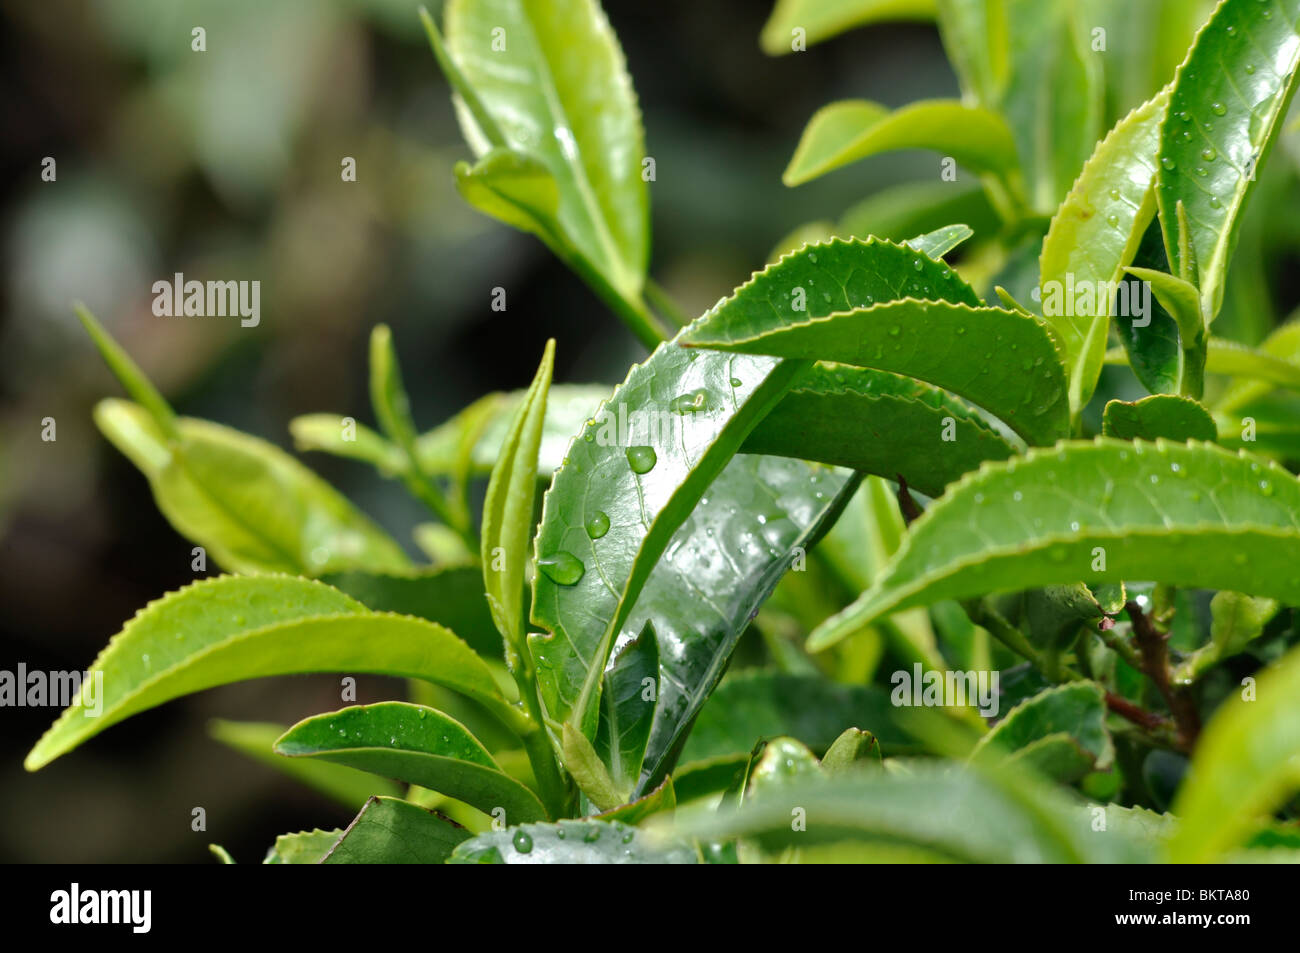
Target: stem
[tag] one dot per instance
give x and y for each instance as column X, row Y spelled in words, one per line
column 1154, row 647
column 1003, row 631
column 1191, row 379
column 906, row 503
column 1157, row 728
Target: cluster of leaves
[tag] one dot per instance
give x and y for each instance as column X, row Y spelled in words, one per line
column 567, row 670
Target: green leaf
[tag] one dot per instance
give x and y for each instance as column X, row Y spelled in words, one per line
column 1177, row 297
column 233, row 628
column 417, row 745
column 960, row 814
column 627, row 699
column 938, row 242
column 222, row 855
column 813, row 709
column 347, row 786
column 1152, row 340
column 1052, row 93
column 854, row 129
column 822, row 19
column 1161, row 415
column 880, row 423
column 760, row 516
column 898, row 212
column 1162, row 510
column 1247, row 762
column 1093, row 236
column 305, row 847
column 390, row 831
column 342, row 436
column 253, row 507
column 1236, row 620
column 451, row 596
column 1060, row 731
column 551, row 77
column 936, row 341
column 633, row 477
column 1229, row 99
column 584, row 764
column 1238, row 360
column 1282, row 344
column 658, row 801
column 852, row 750
column 571, row 842
column 508, row 508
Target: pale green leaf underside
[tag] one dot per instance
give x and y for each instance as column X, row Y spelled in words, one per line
column 1229, row 98
column 847, row 131
column 571, row 842
column 234, row 628
column 1159, row 510
column 304, row 847
column 417, row 745
column 1095, row 234
column 1076, row 710
column 252, row 506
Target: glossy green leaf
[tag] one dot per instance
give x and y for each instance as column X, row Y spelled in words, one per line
column 233, row 628
column 880, row 423
column 508, row 508
column 305, row 847
column 253, row 507
column 822, row 19
column 417, row 745
column 1229, row 99
column 1177, row 297
column 1103, row 511
column 1160, row 415
column 1060, row 732
column 1247, row 762
column 347, row 786
column 759, row 516
column 662, row 799
column 128, row 373
column 753, row 705
column 1282, row 344
column 551, row 77
column 222, row 855
column 342, row 436
column 571, row 842
column 938, row 242
column 451, row 596
column 391, row 831
column 628, row 704
column 854, row 129
column 633, row 476
column 974, row 34
column 1152, row 340
column 964, row 815
column 1094, row 236
column 953, row 346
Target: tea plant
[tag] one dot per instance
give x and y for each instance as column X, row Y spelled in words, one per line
column 966, row 625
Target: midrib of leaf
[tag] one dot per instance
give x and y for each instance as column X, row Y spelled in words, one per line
column 560, row 119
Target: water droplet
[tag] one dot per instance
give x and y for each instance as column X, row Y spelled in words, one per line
column 1208, row 154
column 1218, row 109
column 1167, row 162
column 1114, row 193
column 961, row 329
column 1187, row 135
column 1214, row 202
column 562, row 568
column 627, row 838
column 589, row 436
column 1250, row 69
column 641, row 459
column 561, row 833
column 1200, row 171
column 1112, row 220
column 1184, row 115
column 592, row 835
column 691, row 403
column 895, row 331
column 523, row 841
column 597, row 524
column 422, row 713
column 1266, row 488
column 735, row 382
column 916, row 263
column 1017, row 496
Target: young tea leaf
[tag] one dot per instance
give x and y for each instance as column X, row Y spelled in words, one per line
column 818, row 20
column 391, row 831
column 1160, row 415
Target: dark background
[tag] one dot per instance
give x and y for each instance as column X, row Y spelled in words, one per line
column 226, row 164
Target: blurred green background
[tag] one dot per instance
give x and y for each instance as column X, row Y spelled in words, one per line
column 226, row 164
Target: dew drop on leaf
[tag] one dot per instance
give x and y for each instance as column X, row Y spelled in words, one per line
column 691, row 403
column 1208, row 154
column 641, row 459
column 592, row 835
column 1168, row 163
column 597, row 524
column 1218, row 109
column 562, row 568
column 523, row 841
